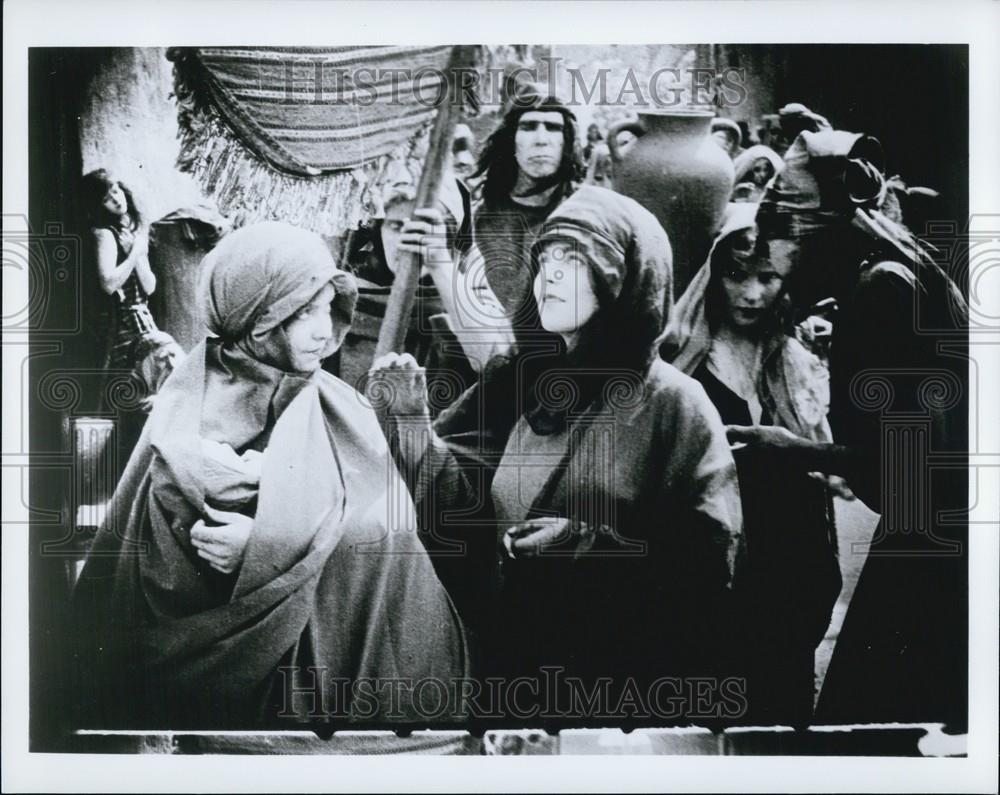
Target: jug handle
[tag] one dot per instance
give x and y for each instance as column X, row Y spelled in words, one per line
column 634, row 126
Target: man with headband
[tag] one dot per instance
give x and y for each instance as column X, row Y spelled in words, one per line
column 529, row 165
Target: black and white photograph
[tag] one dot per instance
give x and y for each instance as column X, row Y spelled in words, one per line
column 609, row 391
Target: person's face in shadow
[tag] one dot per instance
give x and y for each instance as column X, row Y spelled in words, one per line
column 463, row 164
column 761, row 172
column 726, row 141
column 392, row 228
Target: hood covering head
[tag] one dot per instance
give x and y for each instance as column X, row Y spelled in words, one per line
column 744, row 162
column 260, row 276
column 796, row 117
column 731, row 128
column 686, row 339
column 793, row 382
column 834, row 199
column 624, row 245
column 629, row 260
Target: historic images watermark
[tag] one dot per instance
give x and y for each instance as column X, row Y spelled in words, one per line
column 551, row 695
column 321, row 82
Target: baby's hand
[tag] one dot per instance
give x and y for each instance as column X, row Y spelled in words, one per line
column 254, row 461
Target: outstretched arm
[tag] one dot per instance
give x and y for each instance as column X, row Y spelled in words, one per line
column 811, row 456
column 449, row 490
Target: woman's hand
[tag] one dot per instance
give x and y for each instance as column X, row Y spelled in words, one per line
column 397, row 389
column 547, row 536
column 140, row 242
column 223, row 542
column 397, row 386
column 762, row 437
column 427, row 235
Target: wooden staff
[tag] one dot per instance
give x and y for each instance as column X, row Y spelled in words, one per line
column 399, row 307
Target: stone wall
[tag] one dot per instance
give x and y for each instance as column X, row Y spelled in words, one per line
column 128, row 124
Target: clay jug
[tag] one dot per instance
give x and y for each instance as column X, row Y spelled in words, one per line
column 675, row 170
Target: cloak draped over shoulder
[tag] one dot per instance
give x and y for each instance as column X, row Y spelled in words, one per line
column 335, row 596
column 902, row 652
column 793, row 381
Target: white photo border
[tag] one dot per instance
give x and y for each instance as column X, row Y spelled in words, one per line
column 181, row 22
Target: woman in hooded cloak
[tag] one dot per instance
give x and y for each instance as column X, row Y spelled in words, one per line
column 259, row 563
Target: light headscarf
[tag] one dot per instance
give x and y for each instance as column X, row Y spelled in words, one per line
column 260, row 276
column 257, row 278
column 744, row 162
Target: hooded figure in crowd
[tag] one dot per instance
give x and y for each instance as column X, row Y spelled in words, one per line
column 732, row 331
column 753, row 169
column 898, row 395
column 259, row 564
column 584, row 486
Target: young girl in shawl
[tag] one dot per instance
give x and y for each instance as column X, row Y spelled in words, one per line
column 731, row 331
column 584, row 488
column 259, row 563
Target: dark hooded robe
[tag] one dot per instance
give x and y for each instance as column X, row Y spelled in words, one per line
column 335, row 612
column 625, row 447
column 898, row 384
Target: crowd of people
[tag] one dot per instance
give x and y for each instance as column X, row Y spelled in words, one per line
column 630, row 487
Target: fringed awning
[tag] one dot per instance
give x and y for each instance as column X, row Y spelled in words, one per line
column 280, row 133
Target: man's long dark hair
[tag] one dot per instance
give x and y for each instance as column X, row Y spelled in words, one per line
column 496, row 161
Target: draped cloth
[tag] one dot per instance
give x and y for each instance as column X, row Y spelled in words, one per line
column 309, row 110
column 789, row 579
column 301, row 134
column 613, row 440
column 744, row 162
column 336, row 599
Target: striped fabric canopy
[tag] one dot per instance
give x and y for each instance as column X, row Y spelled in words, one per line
column 308, row 111
column 303, row 135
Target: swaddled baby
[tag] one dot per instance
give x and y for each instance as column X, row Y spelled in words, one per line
column 231, row 481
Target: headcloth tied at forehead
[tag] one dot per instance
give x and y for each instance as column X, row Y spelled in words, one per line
column 537, row 96
column 260, row 276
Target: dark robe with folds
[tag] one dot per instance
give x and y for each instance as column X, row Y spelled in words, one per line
column 504, row 234
column 899, row 381
column 788, row 581
column 654, row 472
